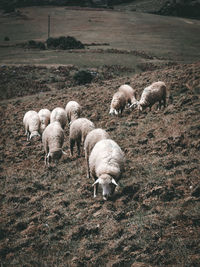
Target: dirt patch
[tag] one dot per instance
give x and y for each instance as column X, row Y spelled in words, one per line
column 49, row 216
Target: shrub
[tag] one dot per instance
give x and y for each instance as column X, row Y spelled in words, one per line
column 34, row 44
column 83, row 77
column 64, row 43
column 6, row 38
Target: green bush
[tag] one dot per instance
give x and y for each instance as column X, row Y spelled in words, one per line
column 64, row 43
column 83, row 77
column 34, row 44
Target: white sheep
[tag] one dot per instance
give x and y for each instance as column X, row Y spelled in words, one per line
column 31, row 123
column 53, row 139
column 156, row 92
column 91, row 139
column 78, row 131
column 73, row 110
column 118, row 103
column 44, row 115
column 59, row 114
column 129, row 93
column 106, row 163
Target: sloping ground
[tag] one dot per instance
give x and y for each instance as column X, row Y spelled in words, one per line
column 184, row 8
column 49, row 216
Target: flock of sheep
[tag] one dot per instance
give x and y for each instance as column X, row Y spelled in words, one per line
column 104, row 157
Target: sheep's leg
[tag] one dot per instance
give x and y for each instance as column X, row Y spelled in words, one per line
column 27, row 135
column 160, row 104
column 164, row 102
column 71, row 147
column 95, row 186
column 96, row 190
column 45, row 160
column 78, row 143
column 88, row 167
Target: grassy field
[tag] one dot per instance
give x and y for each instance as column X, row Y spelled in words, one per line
column 172, row 38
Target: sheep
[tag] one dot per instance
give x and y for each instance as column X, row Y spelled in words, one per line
column 44, row 115
column 91, row 139
column 53, row 139
column 78, row 131
column 156, row 92
column 129, row 93
column 31, row 123
column 59, row 114
column 73, row 110
column 106, row 164
column 118, row 103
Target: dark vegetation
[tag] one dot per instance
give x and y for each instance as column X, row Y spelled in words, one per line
column 62, row 42
column 190, row 9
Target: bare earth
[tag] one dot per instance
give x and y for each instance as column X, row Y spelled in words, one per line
column 49, row 216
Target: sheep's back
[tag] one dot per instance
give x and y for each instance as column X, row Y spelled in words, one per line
column 73, row 110
column 118, row 100
column 53, row 135
column 154, row 92
column 93, row 137
column 59, row 114
column 128, row 91
column 106, row 157
column 31, row 121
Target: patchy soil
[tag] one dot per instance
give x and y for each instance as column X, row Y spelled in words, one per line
column 49, row 216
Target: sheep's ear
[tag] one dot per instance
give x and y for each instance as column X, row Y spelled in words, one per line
column 114, row 182
column 48, row 159
column 64, row 153
column 96, row 182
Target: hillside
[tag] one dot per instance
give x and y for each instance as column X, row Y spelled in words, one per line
column 49, row 216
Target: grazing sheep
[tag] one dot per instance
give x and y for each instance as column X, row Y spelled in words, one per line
column 53, row 139
column 59, row 114
column 73, row 110
column 118, row 103
column 106, row 163
column 78, row 131
column 31, row 123
column 91, row 139
column 44, row 115
column 129, row 93
column 156, row 92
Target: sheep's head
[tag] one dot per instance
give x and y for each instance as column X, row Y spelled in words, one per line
column 34, row 134
column 108, row 185
column 113, row 111
column 135, row 104
column 54, row 155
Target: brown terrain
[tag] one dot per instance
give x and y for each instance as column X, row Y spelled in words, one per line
column 49, row 216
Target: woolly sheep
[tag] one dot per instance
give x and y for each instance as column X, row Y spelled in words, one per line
column 53, row 139
column 106, row 163
column 73, row 110
column 44, row 115
column 78, row 131
column 59, row 114
column 118, row 103
column 156, row 92
column 31, row 123
column 91, row 139
column 129, row 93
